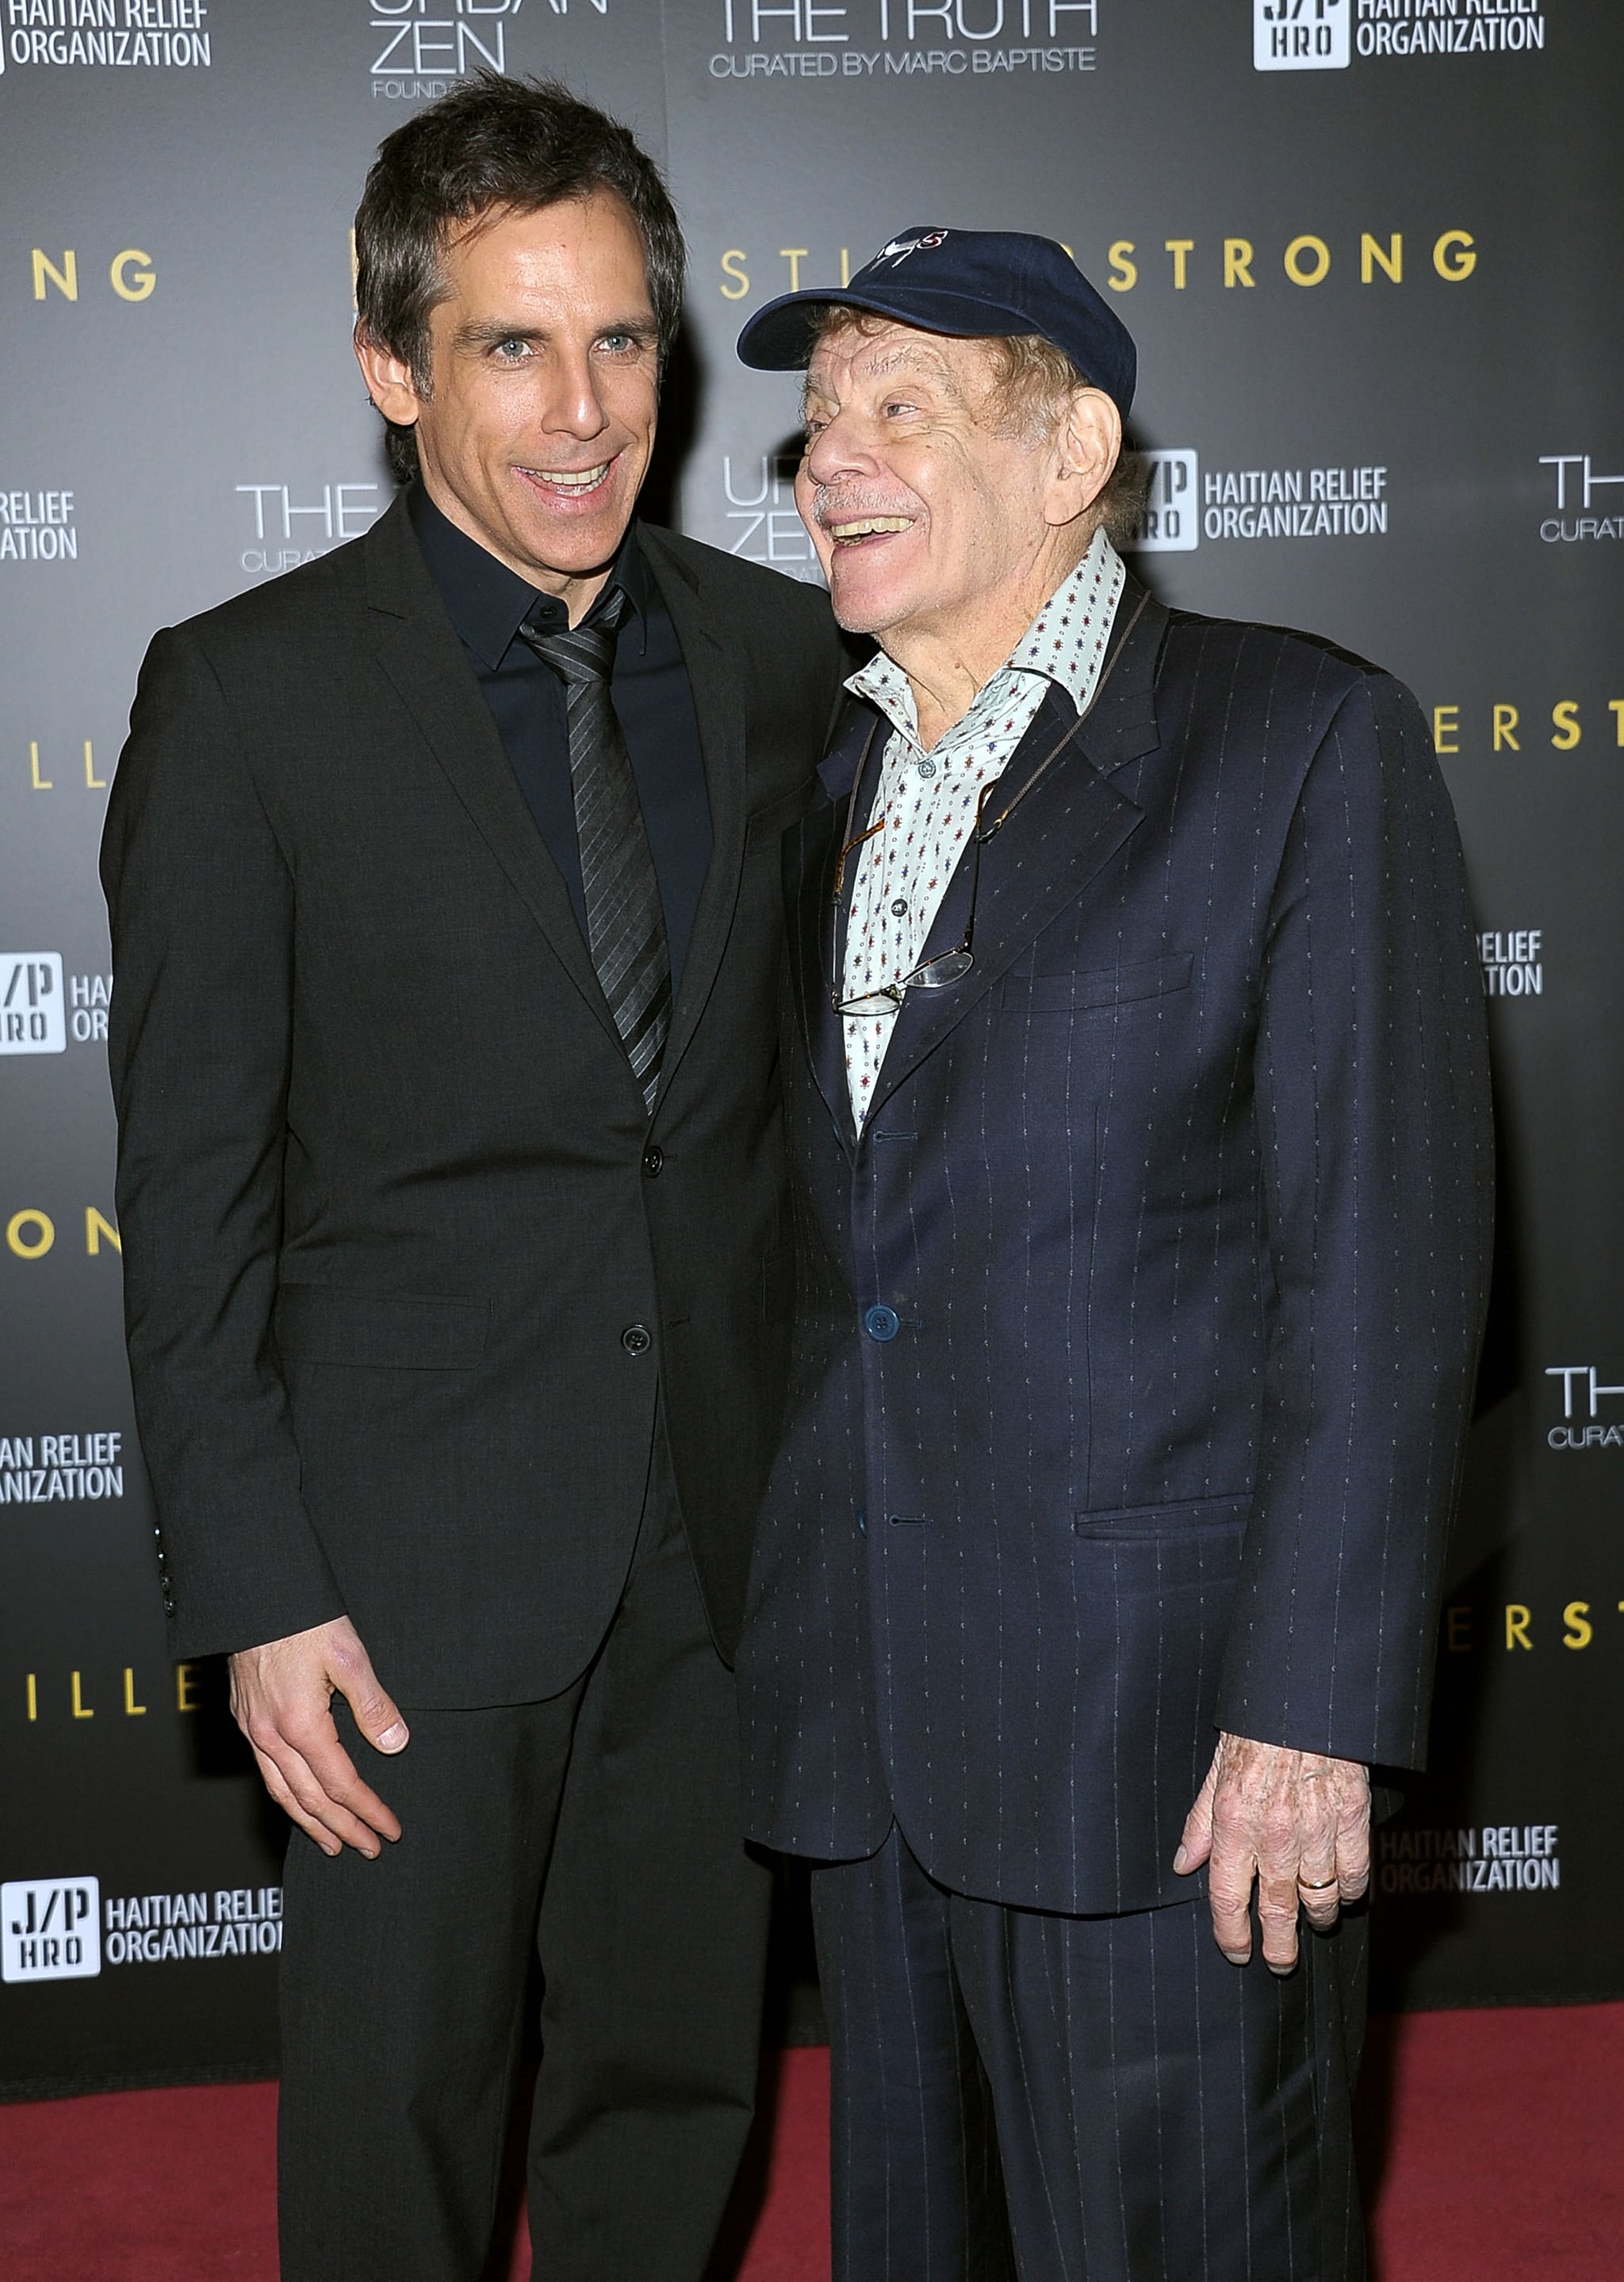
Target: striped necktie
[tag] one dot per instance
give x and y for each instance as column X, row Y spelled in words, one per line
column 625, row 926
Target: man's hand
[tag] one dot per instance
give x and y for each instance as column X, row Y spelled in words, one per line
column 281, row 1696
column 1299, row 1824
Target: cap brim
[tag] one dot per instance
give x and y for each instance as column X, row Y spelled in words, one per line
column 779, row 338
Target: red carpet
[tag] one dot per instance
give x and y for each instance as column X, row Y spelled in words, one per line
column 1492, row 2140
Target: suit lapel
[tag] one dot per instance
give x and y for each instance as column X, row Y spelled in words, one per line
column 719, row 709
column 811, row 853
column 418, row 651
column 1061, row 836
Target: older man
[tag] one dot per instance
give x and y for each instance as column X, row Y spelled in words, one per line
column 1140, row 1141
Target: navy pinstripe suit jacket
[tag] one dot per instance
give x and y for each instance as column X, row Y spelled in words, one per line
column 1182, row 1201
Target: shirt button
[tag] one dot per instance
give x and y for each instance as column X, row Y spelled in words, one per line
column 899, row 909
column 927, row 768
column 654, row 1157
column 636, row 1339
column 882, row 1323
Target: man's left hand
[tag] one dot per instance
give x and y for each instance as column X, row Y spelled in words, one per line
column 1298, row 1824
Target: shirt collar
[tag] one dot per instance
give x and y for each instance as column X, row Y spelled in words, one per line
column 487, row 603
column 1063, row 643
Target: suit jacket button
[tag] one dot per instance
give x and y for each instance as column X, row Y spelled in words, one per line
column 654, row 1157
column 636, row 1339
column 882, row 1323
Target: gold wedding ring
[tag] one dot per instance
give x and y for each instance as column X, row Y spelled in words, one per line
column 1315, row 1885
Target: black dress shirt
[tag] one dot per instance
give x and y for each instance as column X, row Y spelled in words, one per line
column 487, row 603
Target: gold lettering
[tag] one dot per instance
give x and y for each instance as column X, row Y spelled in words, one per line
column 1453, row 257
column 1457, row 1628
column 733, row 268
column 34, row 1697
column 1615, row 706
column 1370, row 254
column 1580, row 1631
column 1238, row 261
column 93, row 783
column 44, row 784
column 29, row 1218
column 1564, row 721
column 185, row 1687
column 65, row 279
column 1179, row 247
column 132, row 1709
column 1517, row 1621
column 794, row 255
column 94, row 1229
column 1125, row 276
column 1445, row 723
column 81, row 1709
column 1505, row 727
column 1319, row 253
column 137, row 286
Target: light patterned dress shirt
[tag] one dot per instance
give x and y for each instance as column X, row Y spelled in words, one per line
column 928, row 799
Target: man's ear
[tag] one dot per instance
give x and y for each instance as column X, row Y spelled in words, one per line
column 1088, row 445
column 388, row 380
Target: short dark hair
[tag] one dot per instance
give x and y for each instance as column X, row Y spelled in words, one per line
column 493, row 144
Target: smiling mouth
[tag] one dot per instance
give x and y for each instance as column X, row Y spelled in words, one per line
column 568, row 483
column 859, row 529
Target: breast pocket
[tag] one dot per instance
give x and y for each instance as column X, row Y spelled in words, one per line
column 1103, row 987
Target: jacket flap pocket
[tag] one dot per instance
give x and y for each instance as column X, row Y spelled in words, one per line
column 1107, row 986
column 322, row 1323
column 1183, row 1518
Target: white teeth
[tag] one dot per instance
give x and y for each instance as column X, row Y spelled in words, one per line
column 571, row 480
column 870, row 524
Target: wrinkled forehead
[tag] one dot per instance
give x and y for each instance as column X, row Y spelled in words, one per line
column 853, row 351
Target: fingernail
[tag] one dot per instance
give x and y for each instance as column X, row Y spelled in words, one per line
column 1239, row 1956
column 1181, row 1862
column 392, row 1738
column 371, row 1852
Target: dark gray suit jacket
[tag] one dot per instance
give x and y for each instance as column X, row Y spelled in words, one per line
column 405, row 1262
column 1175, row 1216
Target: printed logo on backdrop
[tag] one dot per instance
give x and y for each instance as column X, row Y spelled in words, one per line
column 44, row 1468
column 902, row 39
column 37, row 527
column 1588, row 504
column 59, row 1929
column 132, row 34
column 1514, row 963
column 1182, row 506
column 41, row 1009
column 1325, row 34
column 156, row 1929
column 420, row 49
column 1592, row 1412
column 763, row 524
column 50, row 1929
column 290, row 525
column 1506, row 1857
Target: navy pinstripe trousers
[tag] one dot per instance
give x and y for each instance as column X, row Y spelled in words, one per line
column 1024, row 2095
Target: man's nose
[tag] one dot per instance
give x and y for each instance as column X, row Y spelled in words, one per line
column 571, row 405
column 838, row 449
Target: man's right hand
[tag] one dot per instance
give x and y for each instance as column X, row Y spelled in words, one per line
column 281, row 1698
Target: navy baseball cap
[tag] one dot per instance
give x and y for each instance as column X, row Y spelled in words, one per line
column 978, row 281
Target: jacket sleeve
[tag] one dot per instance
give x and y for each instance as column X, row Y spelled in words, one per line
column 200, row 899
column 1372, row 1101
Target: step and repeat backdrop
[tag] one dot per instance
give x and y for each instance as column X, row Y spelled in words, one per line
column 1368, row 250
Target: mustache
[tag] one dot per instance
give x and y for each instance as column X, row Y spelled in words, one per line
column 830, row 506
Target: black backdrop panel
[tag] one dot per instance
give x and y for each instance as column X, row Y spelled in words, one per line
column 1367, row 248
